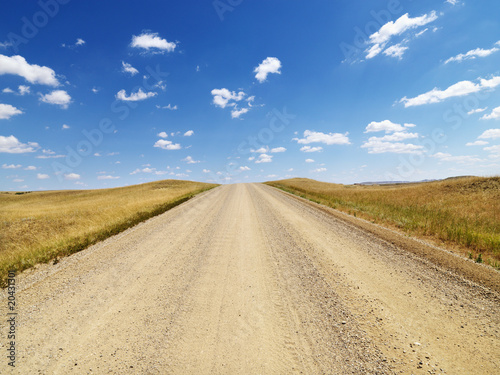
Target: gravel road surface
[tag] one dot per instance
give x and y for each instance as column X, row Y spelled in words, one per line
column 246, row 279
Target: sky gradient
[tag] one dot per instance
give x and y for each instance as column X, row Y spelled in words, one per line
column 104, row 94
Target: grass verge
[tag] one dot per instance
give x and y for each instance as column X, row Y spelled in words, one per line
column 461, row 213
column 38, row 227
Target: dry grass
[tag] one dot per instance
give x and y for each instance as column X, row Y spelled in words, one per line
column 43, row 226
column 462, row 213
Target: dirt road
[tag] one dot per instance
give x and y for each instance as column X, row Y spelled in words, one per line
column 245, row 279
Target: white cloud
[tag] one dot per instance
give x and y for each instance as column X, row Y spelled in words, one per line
column 278, row 149
column 319, row 170
column 376, row 146
column 162, row 135
column 127, row 68
column 391, row 141
column 245, row 168
column 8, row 90
column 65, row 126
column 261, row 150
column 167, row 145
column 57, row 97
column 172, row 108
column 223, row 96
column 11, row 166
column 30, row 168
column 17, row 180
column 493, row 149
column 95, row 90
column 458, row 89
column 17, row 65
column 309, row 161
column 190, row 160
column 472, row 54
column 72, row 176
column 134, row 97
column 396, row 50
column 42, row 176
column 452, row 2
column 264, row 158
column 189, row 133
column 495, row 114
column 23, row 90
column 478, row 110
column 206, row 171
column 144, row 170
column 456, row 159
column 150, row 41
column 7, row 111
column 268, row 66
column 386, row 125
column 328, row 139
column 236, row 113
column 381, row 38
column 477, row 143
column 107, row 177
column 80, row 42
column 311, row 149
column 11, row 145
column 490, row 134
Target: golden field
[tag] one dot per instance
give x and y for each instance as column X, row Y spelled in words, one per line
column 461, row 213
column 39, row 227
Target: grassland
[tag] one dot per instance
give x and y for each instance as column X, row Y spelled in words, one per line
column 461, row 213
column 38, row 227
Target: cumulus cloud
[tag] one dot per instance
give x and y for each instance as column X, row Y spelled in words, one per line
column 477, row 110
column 30, row 168
column 464, row 159
column 495, row 114
column 189, row 133
column 311, row 149
column 11, row 145
column 268, row 66
column 42, row 176
column 64, row 127
column 319, row 170
column 396, row 50
column 244, row 168
column 490, row 134
column 264, row 158
column 17, row 65
column 328, row 139
column 72, row 176
column 23, row 90
column 162, row 135
column 167, row 145
column 11, row 166
column 473, row 54
column 382, row 37
column 57, row 97
column 190, row 160
column 461, row 88
column 7, row 111
column 134, row 97
column 236, row 113
column 309, row 161
column 127, row 68
column 107, row 177
column 477, row 143
column 223, row 97
column 8, row 90
column 278, row 149
column 392, row 140
column 152, row 42
column 170, row 107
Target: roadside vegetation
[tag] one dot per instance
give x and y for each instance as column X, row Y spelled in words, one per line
column 38, row 227
column 461, row 213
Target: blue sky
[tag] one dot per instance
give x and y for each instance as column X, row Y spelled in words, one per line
column 101, row 94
